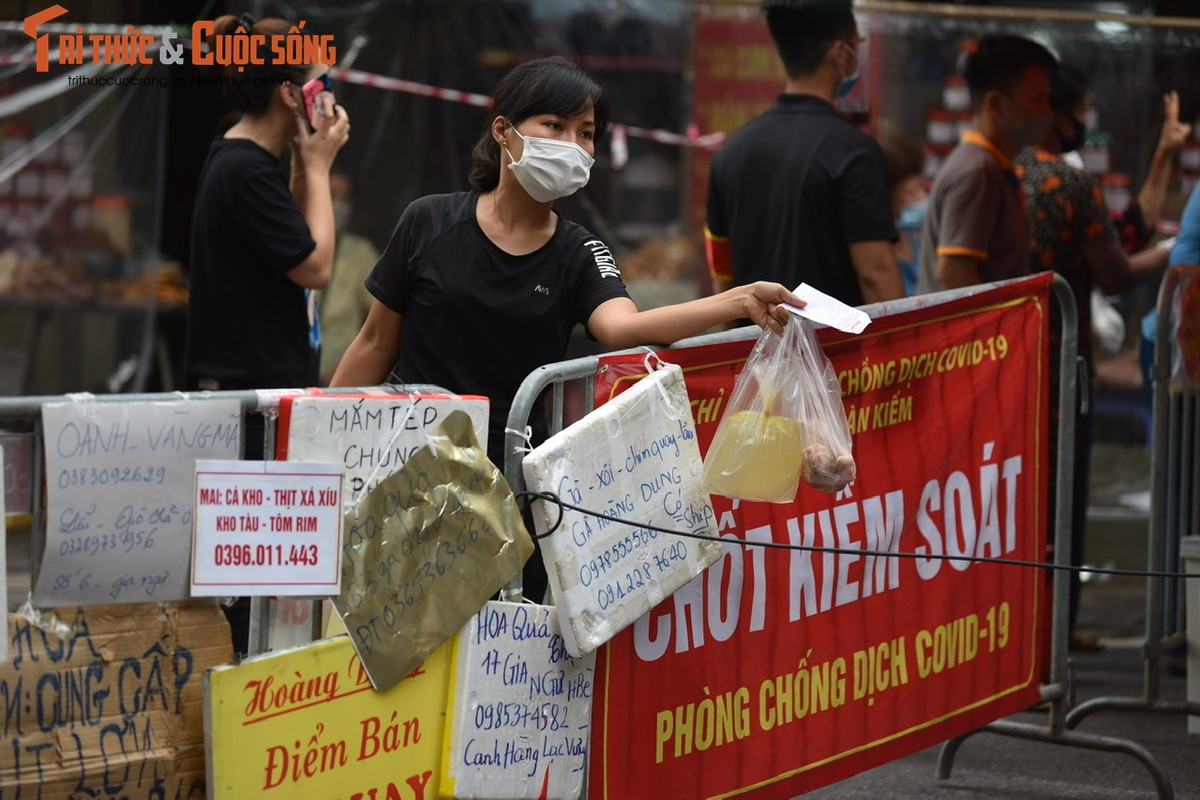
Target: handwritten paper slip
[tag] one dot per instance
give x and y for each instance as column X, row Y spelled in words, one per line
column 119, row 479
column 828, row 310
column 635, row 458
column 519, row 710
column 371, row 436
column 305, row 723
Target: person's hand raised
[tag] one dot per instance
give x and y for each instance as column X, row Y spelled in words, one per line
column 317, row 149
column 1174, row 134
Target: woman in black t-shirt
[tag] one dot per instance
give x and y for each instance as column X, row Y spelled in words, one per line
column 477, row 289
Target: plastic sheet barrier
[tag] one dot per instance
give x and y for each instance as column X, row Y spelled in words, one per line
column 780, row 671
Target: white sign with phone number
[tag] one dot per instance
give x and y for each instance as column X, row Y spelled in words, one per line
column 267, row 528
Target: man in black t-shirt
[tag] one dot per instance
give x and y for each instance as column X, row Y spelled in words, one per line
column 798, row 194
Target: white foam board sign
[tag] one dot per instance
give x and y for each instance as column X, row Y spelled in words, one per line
column 635, row 458
column 119, row 480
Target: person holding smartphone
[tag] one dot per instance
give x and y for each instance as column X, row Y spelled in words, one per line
column 259, row 245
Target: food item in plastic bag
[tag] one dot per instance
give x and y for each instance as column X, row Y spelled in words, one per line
column 825, row 470
column 775, row 470
column 785, row 422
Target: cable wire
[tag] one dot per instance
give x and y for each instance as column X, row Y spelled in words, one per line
column 551, row 497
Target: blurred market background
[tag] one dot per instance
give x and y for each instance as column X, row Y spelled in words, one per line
column 97, row 182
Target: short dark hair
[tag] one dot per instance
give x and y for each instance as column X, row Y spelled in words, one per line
column 903, row 158
column 999, row 62
column 250, row 87
column 804, row 29
column 1067, row 90
column 552, row 85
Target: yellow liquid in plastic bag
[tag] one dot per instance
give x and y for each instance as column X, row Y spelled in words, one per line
column 755, row 456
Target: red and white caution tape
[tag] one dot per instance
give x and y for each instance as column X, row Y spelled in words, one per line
column 409, row 87
column 692, row 138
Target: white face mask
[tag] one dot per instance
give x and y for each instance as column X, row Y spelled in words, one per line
column 549, row 168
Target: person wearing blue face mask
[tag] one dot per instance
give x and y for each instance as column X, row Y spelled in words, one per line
column 910, row 200
column 478, row 289
column 798, row 194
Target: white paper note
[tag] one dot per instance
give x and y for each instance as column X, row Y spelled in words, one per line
column 828, row 310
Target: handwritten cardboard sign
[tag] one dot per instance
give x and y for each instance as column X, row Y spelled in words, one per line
column 305, row 723
column 119, row 482
column 370, row 436
column 105, row 701
column 266, row 527
column 520, row 708
column 636, row 458
column 425, row 550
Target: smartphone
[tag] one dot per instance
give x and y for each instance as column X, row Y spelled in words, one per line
column 310, row 90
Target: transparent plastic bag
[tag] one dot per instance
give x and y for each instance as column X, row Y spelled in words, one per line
column 785, row 422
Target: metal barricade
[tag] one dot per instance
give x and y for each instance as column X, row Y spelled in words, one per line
column 21, row 429
column 1174, row 510
column 556, row 377
column 23, row 416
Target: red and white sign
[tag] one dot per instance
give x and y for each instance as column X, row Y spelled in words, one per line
column 267, row 528
column 779, row 671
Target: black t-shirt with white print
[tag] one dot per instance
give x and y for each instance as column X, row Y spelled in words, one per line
column 478, row 320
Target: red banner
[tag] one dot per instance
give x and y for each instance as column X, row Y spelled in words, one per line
column 736, row 75
column 778, row 671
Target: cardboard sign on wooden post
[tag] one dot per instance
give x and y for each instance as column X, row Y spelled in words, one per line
column 105, row 701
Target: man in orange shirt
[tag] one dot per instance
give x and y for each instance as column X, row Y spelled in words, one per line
column 975, row 229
